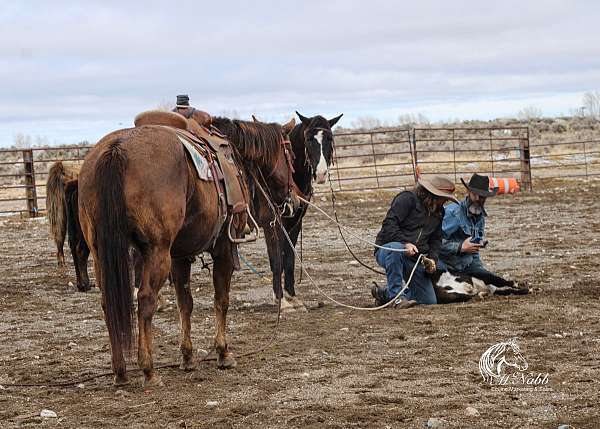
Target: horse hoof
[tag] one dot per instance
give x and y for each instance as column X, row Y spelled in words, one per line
column 286, row 305
column 187, row 366
column 153, row 381
column 84, row 288
column 299, row 305
column 287, row 310
column 227, row 361
column 120, row 380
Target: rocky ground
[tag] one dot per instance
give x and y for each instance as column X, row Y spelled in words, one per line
column 329, row 366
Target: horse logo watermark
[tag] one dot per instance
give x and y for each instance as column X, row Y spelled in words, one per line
column 503, row 364
column 498, row 356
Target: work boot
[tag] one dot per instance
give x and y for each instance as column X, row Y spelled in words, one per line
column 379, row 293
column 402, row 303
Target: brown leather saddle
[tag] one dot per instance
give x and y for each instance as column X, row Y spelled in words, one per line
column 215, row 148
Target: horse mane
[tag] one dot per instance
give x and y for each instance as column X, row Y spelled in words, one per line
column 255, row 141
column 488, row 359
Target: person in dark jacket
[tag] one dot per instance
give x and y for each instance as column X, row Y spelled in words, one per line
column 412, row 226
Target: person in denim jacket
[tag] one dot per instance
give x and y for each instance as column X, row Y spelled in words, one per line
column 463, row 233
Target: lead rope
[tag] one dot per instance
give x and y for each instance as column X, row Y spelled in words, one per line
column 392, row 301
column 356, row 258
column 162, row 366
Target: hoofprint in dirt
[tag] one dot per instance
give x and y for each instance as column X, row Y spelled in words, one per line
column 329, row 367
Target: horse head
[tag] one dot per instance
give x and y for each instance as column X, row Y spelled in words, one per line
column 319, row 144
column 513, row 357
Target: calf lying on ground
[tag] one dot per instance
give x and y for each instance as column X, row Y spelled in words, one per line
column 459, row 288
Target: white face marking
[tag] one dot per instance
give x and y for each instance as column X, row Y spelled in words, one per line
column 322, row 166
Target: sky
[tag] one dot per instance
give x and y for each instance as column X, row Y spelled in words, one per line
column 77, row 70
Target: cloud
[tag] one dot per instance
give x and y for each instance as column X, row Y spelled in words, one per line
column 101, row 62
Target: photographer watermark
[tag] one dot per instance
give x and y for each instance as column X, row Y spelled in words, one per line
column 504, row 368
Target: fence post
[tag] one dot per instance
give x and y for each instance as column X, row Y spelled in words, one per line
column 412, row 142
column 374, row 160
column 454, row 154
column 30, row 190
column 524, row 155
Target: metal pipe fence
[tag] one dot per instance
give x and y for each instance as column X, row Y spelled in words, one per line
column 364, row 160
column 23, row 175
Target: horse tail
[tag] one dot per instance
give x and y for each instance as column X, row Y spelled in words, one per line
column 112, row 245
column 56, row 204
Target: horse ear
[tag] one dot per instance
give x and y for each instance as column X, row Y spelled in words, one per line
column 254, row 119
column 333, row 121
column 304, row 119
column 287, row 128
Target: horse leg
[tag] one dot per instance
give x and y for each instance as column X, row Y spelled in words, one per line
column 83, row 253
column 180, row 276
column 60, row 255
column 138, row 262
column 77, row 243
column 275, row 252
column 289, row 261
column 289, row 266
column 222, row 272
column 156, row 266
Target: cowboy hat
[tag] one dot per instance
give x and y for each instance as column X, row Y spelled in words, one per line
column 479, row 185
column 439, row 186
column 183, row 101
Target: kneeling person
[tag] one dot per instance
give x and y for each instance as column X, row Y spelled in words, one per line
column 413, row 225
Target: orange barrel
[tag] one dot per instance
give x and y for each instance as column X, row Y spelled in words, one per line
column 504, row 185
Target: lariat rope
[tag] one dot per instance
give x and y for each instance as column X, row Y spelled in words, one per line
column 277, row 218
column 356, row 258
column 391, row 249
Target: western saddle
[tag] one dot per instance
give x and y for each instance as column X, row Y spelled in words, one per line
column 195, row 127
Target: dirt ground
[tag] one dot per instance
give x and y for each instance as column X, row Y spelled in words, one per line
column 329, row 366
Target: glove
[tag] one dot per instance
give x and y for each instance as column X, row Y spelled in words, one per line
column 429, row 265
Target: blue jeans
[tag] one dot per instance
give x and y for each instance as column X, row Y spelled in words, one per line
column 397, row 268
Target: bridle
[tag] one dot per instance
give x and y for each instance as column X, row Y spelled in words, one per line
column 286, row 207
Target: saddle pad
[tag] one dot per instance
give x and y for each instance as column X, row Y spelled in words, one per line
column 200, row 162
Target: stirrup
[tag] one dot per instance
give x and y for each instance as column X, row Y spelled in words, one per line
column 249, row 239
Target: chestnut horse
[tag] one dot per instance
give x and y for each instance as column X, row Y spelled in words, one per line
column 137, row 188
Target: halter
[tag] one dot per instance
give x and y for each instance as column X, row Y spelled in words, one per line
column 286, row 208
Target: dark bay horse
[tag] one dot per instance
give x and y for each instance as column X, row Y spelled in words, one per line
column 313, row 146
column 59, row 177
column 264, row 214
column 138, row 189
